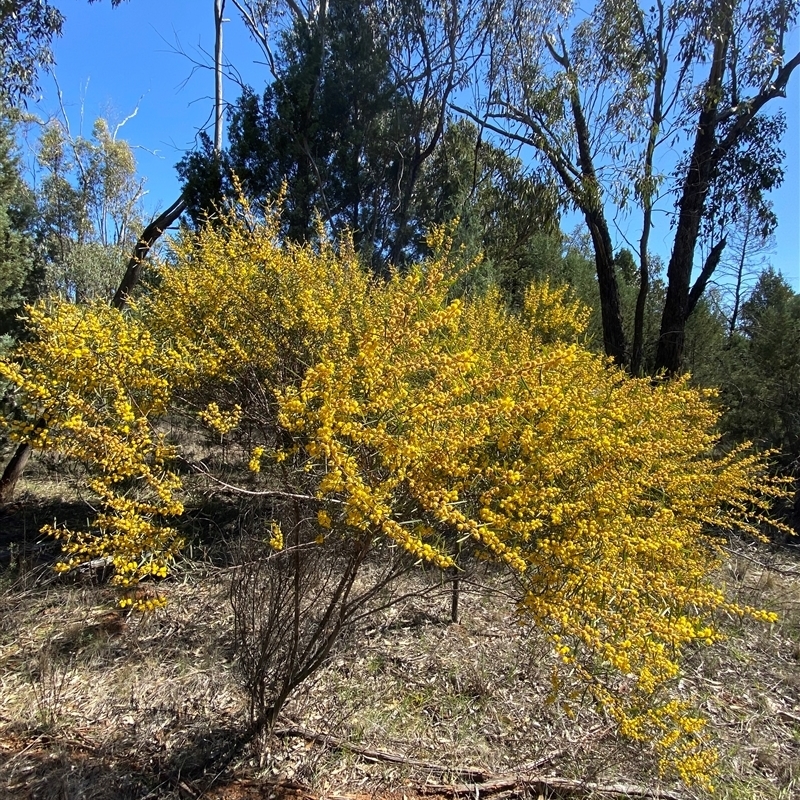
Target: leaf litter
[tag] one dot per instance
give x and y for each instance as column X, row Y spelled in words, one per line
column 98, row 704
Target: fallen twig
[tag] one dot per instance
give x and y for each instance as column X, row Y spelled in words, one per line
column 501, row 785
column 483, row 782
column 469, row 773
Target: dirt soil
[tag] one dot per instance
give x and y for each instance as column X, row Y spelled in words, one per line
column 97, row 704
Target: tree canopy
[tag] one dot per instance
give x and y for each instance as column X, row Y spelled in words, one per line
column 364, row 140
column 630, row 81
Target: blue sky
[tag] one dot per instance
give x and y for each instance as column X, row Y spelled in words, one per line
column 112, row 62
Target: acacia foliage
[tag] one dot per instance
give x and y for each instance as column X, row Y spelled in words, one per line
column 396, row 410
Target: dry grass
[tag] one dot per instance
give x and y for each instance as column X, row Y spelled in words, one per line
column 94, row 704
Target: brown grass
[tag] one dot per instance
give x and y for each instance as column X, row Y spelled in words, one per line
column 95, row 704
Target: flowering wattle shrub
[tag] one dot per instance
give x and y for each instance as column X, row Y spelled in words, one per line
column 392, row 408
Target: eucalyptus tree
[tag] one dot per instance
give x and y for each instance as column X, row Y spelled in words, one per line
column 89, row 199
column 604, row 97
column 27, row 30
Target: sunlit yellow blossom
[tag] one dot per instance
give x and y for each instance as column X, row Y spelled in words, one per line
column 255, row 459
column 276, row 536
column 221, row 421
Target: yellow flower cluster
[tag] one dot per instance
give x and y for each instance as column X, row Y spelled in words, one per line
column 255, row 459
column 422, row 419
column 92, row 382
column 275, row 540
column 221, row 421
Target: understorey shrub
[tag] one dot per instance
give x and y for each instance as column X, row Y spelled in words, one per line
column 382, row 415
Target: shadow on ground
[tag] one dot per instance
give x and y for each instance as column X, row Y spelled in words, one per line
column 38, row 765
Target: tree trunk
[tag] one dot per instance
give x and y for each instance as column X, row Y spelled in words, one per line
column 613, row 332
column 13, row 472
column 669, row 356
column 149, row 237
column 590, row 200
column 737, row 293
column 712, row 262
column 219, row 10
column 637, row 350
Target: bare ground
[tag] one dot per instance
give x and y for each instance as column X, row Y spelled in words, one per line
column 95, row 704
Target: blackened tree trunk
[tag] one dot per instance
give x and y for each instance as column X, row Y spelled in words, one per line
column 709, row 268
column 710, row 148
column 669, row 355
column 587, row 194
column 588, row 197
column 613, row 332
column 13, row 472
column 149, row 237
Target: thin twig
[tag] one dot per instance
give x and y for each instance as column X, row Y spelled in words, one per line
column 474, row 773
column 264, row 493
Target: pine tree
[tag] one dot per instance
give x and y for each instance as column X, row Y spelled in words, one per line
column 18, row 263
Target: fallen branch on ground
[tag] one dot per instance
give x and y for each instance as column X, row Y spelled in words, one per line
column 481, row 781
column 500, row 786
column 368, row 754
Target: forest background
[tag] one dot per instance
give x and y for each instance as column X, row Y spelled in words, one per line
column 94, row 58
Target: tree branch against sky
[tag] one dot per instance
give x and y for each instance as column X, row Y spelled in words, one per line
column 604, row 110
column 427, row 49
